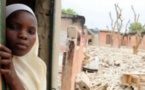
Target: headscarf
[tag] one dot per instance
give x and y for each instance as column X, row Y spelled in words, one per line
column 30, row 69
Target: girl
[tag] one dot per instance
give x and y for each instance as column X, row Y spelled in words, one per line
column 22, row 68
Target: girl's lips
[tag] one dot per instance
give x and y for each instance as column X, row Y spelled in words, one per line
column 20, row 46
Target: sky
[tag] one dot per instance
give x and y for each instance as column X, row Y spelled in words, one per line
column 96, row 12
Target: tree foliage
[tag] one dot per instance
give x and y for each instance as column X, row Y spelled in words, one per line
column 136, row 26
column 68, row 11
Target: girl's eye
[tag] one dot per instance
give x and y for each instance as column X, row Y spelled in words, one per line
column 13, row 26
column 31, row 31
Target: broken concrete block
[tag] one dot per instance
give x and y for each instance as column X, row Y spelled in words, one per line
column 132, row 79
column 93, row 64
column 87, row 58
column 135, row 81
column 100, row 87
column 128, row 79
column 142, row 77
column 72, row 32
column 142, row 86
column 83, row 81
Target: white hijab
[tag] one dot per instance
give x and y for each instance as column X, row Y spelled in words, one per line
column 30, row 68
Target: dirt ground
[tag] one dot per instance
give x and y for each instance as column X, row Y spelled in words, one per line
column 113, row 63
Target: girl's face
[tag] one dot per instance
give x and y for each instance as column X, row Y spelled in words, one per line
column 20, row 32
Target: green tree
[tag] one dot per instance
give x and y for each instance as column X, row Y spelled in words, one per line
column 136, row 26
column 68, row 11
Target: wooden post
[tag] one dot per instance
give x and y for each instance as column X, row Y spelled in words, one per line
column 2, row 36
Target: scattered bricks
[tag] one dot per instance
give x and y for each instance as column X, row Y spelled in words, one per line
column 83, row 81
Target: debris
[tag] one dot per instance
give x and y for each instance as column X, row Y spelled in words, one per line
column 136, row 80
column 100, row 87
column 83, row 81
column 113, row 63
column 87, row 58
column 92, row 66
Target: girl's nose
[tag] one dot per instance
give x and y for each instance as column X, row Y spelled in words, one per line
column 22, row 35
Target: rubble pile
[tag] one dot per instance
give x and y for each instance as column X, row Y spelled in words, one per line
column 113, row 62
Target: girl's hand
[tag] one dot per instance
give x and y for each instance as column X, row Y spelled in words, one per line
column 7, row 69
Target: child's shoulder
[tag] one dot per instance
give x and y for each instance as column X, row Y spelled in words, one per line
column 40, row 69
column 42, row 64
